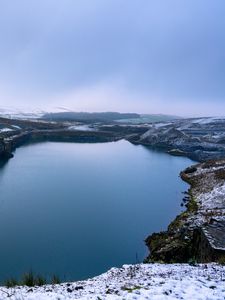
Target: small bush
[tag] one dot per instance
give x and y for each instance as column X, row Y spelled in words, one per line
column 12, row 282
column 192, row 205
column 221, row 260
column 28, row 279
column 55, row 280
column 39, row 280
column 130, row 289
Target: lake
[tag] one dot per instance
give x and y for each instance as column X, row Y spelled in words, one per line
column 76, row 210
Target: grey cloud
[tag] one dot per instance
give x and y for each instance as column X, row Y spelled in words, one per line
column 169, row 48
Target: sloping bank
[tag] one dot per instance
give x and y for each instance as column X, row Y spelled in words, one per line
column 198, row 233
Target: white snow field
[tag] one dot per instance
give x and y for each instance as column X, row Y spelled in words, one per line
column 133, row 282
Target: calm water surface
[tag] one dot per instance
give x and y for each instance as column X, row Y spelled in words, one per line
column 78, row 209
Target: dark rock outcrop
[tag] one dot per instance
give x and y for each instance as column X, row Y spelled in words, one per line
column 5, row 150
column 206, row 200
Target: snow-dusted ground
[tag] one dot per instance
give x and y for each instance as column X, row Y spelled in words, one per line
column 143, row 281
column 208, row 120
column 210, row 190
column 82, row 128
column 217, row 194
column 5, row 130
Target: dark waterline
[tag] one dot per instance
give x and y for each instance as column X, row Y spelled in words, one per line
column 78, row 209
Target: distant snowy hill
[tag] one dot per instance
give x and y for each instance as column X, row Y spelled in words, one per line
column 20, row 114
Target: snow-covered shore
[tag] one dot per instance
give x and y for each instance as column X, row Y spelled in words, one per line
column 143, row 281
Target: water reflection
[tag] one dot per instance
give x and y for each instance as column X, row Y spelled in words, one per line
column 78, row 209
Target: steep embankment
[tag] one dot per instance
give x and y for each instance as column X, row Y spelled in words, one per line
column 199, row 139
column 5, row 150
column 205, row 200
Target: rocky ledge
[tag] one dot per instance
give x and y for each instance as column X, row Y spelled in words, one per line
column 200, row 139
column 198, row 233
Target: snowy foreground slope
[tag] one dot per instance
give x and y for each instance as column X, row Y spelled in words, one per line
column 143, row 281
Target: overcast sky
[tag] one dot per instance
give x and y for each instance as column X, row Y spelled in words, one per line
column 146, row 56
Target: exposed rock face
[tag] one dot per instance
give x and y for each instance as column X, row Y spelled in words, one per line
column 199, row 139
column 5, row 152
column 209, row 241
column 206, row 200
column 1, row 145
column 163, row 137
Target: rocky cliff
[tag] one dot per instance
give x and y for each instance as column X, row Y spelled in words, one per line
column 204, row 200
column 5, row 150
column 199, row 139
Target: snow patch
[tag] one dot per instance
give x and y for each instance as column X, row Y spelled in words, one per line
column 6, row 130
column 208, row 120
column 214, row 199
column 135, row 282
column 82, row 128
